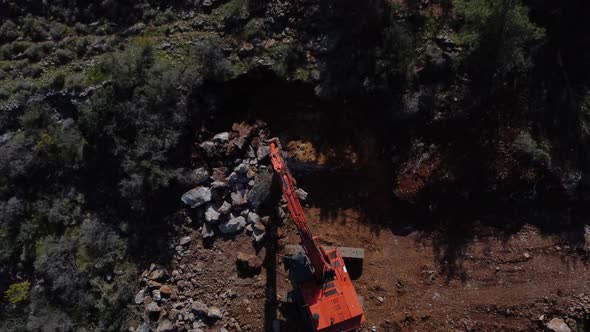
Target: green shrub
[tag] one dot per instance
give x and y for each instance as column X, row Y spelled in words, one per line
column 82, row 46
column 75, row 82
column 8, row 31
column 527, row 148
column 63, row 56
column 497, row 33
column 37, row 51
column 58, row 81
column 33, row 71
column 81, row 28
column 57, row 30
column 36, row 28
column 4, row 94
column 18, row 292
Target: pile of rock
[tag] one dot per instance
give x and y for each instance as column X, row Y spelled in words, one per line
column 166, row 304
column 232, row 183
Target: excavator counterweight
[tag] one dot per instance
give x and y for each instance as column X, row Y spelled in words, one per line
column 320, row 279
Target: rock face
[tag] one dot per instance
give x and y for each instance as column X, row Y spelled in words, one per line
column 196, row 197
column 558, row 325
column 248, row 264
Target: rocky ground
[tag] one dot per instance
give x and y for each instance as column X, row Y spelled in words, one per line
column 226, row 273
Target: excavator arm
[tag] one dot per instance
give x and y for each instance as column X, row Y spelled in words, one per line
column 316, row 254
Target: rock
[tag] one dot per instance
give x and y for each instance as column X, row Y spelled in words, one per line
column 156, row 295
column 185, row 240
column 232, row 178
column 262, row 152
column 214, row 313
column 165, row 326
column 219, row 189
column 135, row 29
column 233, row 225
column 139, row 297
column 143, row 327
column 199, row 176
column 301, row 194
column 209, row 148
column 258, row 231
column 158, row 274
column 261, row 189
column 253, row 217
column 243, row 129
column 380, row 299
column 221, row 138
column 153, row 308
column 225, row 208
column 166, row 290
column 219, row 174
column 247, row 49
column 558, row 325
column 207, row 231
column 197, row 197
column 238, row 198
column 241, row 168
column 239, row 142
column 248, row 264
column 211, row 215
column 199, row 309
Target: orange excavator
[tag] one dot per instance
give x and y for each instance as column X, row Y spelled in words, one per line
column 321, row 282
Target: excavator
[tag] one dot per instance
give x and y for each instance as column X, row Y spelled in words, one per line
column 321, row 283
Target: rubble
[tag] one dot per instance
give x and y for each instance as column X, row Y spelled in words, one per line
column 199, row 176
column 197, row 197
column 185, row 240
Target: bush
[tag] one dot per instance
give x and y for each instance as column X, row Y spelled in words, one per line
column 497, row 34
column 530, row 150
column 36, row 28
column 81, row 28
column 57, row 30
column 82, row 46
column 4, row 94
column 18, row 292
column 58, row 81
column 33, row 71
column 75, row 83
column 8, row 31
column 37, row 51
column 63, row 56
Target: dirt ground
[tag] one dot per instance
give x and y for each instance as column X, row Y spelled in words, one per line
column 497, row 283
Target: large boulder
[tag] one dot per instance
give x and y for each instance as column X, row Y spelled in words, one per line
column 197, row 197
column 233, row 225
column 248, row 264
column 558, row 325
